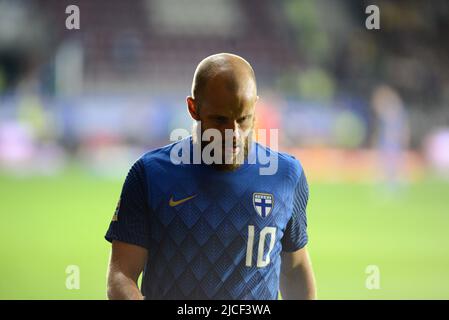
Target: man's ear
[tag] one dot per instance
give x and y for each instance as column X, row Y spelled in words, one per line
column 193, row 110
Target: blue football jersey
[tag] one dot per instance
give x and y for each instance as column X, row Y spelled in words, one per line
column 212, row 234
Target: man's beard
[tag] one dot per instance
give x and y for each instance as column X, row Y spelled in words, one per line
column 235, row 160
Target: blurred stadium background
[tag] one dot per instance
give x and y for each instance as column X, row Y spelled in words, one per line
column 366, row 111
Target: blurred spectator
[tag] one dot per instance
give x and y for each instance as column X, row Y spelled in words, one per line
column 391, row 133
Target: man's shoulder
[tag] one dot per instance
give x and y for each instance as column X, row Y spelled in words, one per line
column 287, row 163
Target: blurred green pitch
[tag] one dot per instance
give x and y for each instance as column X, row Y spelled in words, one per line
column 48, row 223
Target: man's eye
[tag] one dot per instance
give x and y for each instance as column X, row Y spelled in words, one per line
column 241, row 120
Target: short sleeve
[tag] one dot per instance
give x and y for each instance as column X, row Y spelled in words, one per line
column 295, row 236
column 131, row 218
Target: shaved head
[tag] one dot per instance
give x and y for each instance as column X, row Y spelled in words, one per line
column 234, row 72
column 223, row 98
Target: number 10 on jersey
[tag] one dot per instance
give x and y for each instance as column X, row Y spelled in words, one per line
column 263, row 259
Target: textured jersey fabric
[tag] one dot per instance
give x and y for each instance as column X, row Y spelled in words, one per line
column 211, row 234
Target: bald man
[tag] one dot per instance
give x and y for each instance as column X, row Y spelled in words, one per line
column 210, row 224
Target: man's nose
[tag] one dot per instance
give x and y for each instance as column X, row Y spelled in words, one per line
column 234, row 126
column 236, row 129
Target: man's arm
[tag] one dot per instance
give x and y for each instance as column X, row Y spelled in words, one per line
column 125, row 266
column 297, row 281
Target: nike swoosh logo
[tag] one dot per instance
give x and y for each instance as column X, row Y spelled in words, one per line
column 173, row 203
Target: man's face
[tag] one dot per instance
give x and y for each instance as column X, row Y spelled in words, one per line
column 229, row 109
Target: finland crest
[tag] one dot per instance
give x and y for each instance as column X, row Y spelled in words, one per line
column 263, row 203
